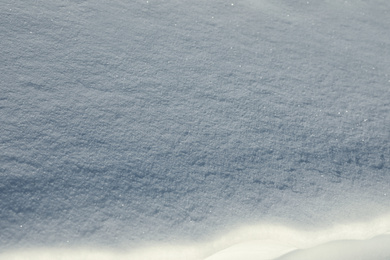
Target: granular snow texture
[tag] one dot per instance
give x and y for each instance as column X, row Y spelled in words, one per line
column 124, row 122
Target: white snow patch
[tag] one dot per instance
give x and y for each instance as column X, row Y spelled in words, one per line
column 367, row 240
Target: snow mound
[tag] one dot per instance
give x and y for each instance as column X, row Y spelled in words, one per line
column 148, row 121
column 376, row 248
column 367, row 240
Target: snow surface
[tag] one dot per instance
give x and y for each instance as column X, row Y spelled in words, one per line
column 260, row 242
column 126, row 124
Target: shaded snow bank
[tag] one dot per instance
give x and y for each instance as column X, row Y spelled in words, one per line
column 130, row 121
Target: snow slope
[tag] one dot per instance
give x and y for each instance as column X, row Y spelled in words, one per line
column 260, row 242
column 130, row 123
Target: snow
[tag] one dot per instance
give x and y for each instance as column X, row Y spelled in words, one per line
column 132, row 125
column 376, row 248
column 260, row 242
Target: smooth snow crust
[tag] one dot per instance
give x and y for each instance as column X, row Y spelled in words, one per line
column 366, row 240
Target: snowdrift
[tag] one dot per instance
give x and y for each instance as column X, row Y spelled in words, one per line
column 368, row 240
column 127, row 123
